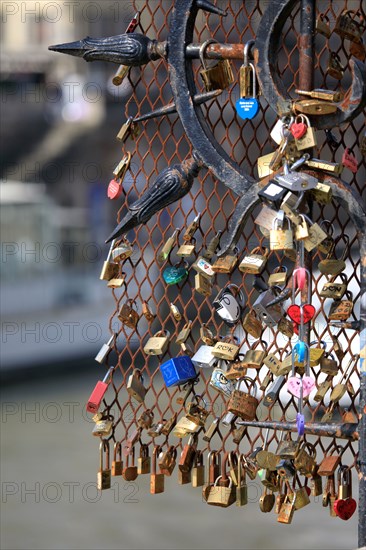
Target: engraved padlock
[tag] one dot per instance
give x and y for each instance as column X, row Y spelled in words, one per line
column 347, row 26
column 280, row 238
column 218, row 77
column 220, row 382
column 135, row 386
column 308, row 139
column 127, row 315
column 244, row 404
column 255, row 261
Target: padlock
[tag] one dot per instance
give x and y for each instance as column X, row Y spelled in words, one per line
column 144, row 460
column 202, row 285
column 317, row 353
column 278, row 277
column 229, row 304
column 358, row 50
column 287, row 509
column 187, row 249
column 221, row 383
column 297, row 181
column 349, row 161
column 129, row 472
column 203, row 357
column 255, row 261
column 285, row 327
column 329, row 464
column 103, row 427
column 316, row 485
column 225, row 350
column 115, row 188
column 302, row 229
column 207, row 335
column 267, row 215
column 212, row 430
column 334, row 168
column 167, row 461
column 273, row 363
column 322, row 193
column 332, row 265
column 104, row 473
column 223, row 492
column 135, row 386
column 277, row 131
column 329, row 365
column 306, row 139
column 203, row 267
column 291, row 205
column 117, row 463
column 212, row 247
column 243, row 404
column 127, row 315
column 128, row 129
column 98, row 393
column 273, row 391
column 335, row 68
column 264, row 165
column 242, row 488
column 167, row 247
column 314, row 107
column 285, row 468
column 175, row 274
column 157, row 344
column 236, row 368
column 301, row 497
column 245, row 72
column 248, row 106
column 287, row 448
column 105, row 349
column 315, row 238
column 281, row 239
column 341, row 310
column 178, row 370
column 156, row 479
column 175, row 312
column 185, row 427
column 184, row 333
column 304, row 462
column 252, row 325
column 110, row 269
column 147, row 312
column 254, row 358
column 266, row 501
column 198, row 470
column 195, row 413
column 226, row 264
column 347, row 27
column 333, row 289
column 213, row 468
column 322, row 25
column 323, row 388
column 188, row 454
column 269, row 315
column 218, row 77
column 122, row 251
column 271, row 480
column 145, row 420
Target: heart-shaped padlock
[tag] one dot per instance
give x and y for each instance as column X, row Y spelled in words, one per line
column 174, row 275
column 294, row 386
column 298, row 129
column 345, row 508
column 294, row 312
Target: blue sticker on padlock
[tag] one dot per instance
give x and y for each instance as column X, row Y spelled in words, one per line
column 247, row 108
column 300, row 351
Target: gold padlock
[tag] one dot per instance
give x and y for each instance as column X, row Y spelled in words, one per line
column 254, row 358
column 322, row 25
column 225, row 350
column 252, row 325
column 202, row 285
column 278, row 277
column 135, row 386
column 334, row 290
column 104, row 473
column 218, row 77
column 157, row 344
column 263, row 165
column 316, row 353
column 128, row 315
column 110, row 269
column 309, row 140
column 322, row 193
column 103, row 427
column 227, row 263
column 347, row 27
column 341, row 310
column 255, row 261
column 314, row 107
column 281, row 239
column 335, row 68
column 315, row 238
column 187, row 249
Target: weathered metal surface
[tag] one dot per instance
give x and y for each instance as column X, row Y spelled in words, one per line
column 342, row 431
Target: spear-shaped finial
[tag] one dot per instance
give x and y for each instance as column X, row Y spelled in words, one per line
column 130, row 49
column 207, row 6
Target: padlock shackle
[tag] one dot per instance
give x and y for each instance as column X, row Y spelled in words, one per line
column 202, row 50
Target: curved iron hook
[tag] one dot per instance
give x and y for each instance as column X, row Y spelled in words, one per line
column 265, row 55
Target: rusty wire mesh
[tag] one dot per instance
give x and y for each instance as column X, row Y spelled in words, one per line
column 162, row 143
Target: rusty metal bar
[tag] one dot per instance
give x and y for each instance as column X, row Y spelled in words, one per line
column 362, row 419
column 217, row 51
column 343, row 431
column 307, row 26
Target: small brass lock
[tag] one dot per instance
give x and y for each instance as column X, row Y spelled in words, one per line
column 218, row 77
column 255, row 261
column 128, row 315
column 104, row 473
column 157, row 344
column 135, row 387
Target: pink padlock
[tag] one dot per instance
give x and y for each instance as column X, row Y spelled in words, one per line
column 299, row 277
column 349, row 160
column 98, row 393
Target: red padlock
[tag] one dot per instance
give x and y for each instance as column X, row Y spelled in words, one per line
column 298, row 129
column 114, row 189
column 98, row 393
column 349, row 160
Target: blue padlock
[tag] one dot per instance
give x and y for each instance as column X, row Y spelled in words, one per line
column 248, row 106
column 299, row 351
column 173, row 275
column 178, row 370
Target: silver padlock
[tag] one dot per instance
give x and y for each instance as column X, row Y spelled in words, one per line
column 104, row 350
column 271, row 315
column 297, row 181
column 228, row 419
column 229, row 304
column 203, row 357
